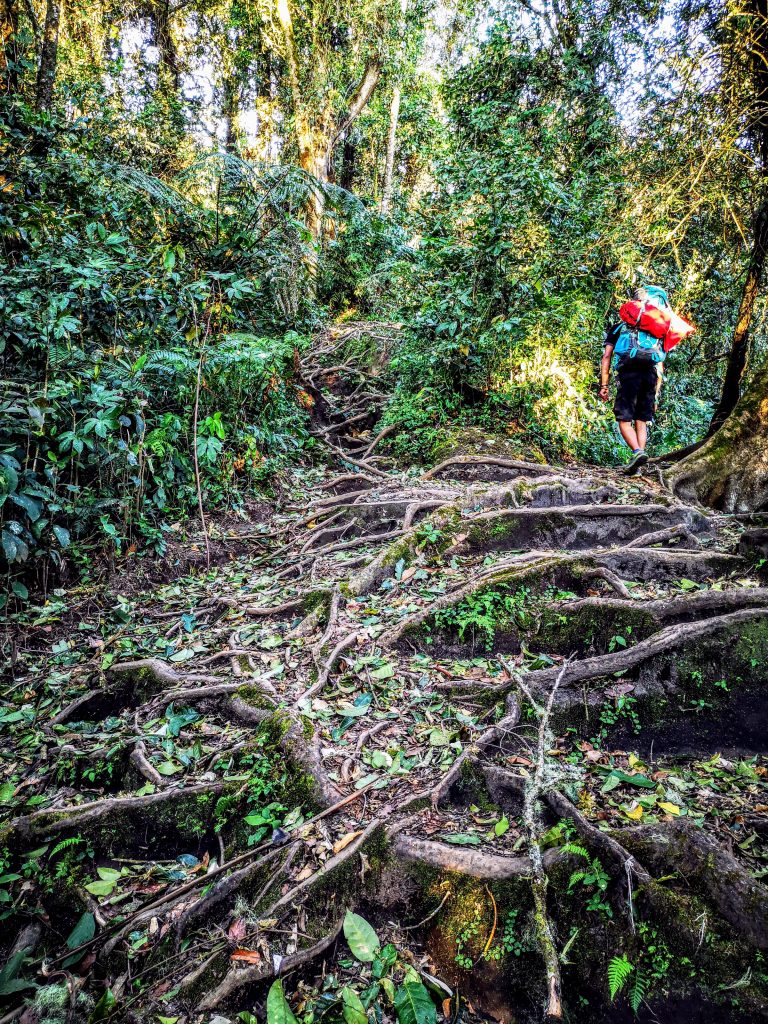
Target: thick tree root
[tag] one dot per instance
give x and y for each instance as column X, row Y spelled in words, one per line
column 704, row 863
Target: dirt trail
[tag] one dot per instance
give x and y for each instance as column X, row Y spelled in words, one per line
column 477, row 683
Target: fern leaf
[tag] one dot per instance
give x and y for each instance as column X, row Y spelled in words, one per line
column 575, row 849
column 637, row 991
column 66, row 843
column 619, row 970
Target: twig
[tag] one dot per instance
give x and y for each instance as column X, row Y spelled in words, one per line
column 322, row 679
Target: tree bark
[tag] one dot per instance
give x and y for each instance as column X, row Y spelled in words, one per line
column 756, row 44
column 389, row 166
column 169, row 58
column 9, row 26
column 46, row 73
column 230, row 113
column 737, row 358
column 316, row 138
column 730, row 471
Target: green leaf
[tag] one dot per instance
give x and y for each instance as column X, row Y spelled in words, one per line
column 20, row 590
column 617, row 777
column 462, row 839
column 62, row 535
column 619, row 970
column 361, row 938
column 354, row 1011
column 389, row 988
column 6, row 792
column 83, row 931
column 101, row 888
column 413, row 1004
column 104, row 1008
column 109, row 874
column 501, row 826
column 278, row 1010
column 385, row 672
column 183, row 655
column 168, row 768
column 30, row 506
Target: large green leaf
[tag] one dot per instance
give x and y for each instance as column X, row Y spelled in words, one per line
column 354, row 1011
column 362, row 939
column 413, row 1004
column 83, row 931
column 278, row 1010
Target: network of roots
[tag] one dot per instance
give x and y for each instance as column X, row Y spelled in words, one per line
column 484, row 677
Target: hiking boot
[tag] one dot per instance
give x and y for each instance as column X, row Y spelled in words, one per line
column 639, row 458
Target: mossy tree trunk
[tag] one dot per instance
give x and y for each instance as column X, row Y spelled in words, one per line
column 730, row 471
column 46, row 73
column 755, row 42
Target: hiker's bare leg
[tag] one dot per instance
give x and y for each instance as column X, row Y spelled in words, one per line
column 629, row 434
column 641, row 429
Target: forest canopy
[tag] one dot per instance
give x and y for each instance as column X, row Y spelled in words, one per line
column 198, row 187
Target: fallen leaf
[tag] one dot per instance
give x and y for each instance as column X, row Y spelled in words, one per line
column 345, row 840
column 247, row 956
column 669, row 808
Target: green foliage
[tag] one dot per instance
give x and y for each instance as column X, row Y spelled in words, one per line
column 593, row 878
column 619, row 970
column 483, row 612
column 362, row 939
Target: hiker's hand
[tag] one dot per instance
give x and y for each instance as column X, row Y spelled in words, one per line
column 604, row 393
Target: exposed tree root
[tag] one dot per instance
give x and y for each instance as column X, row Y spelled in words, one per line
column 490, row 460
column 609, row 664
column 238, row 979
column 473, row 863
column 680, row 847
column 51, row 822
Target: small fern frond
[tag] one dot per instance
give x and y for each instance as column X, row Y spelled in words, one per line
column 619, row 970
column 66, row 843
column 637, row 991
column 575, row 849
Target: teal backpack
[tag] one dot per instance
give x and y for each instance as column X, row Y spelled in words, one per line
column 635, row 344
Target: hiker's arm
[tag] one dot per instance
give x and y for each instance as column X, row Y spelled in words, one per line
column 659, row 378
column 605, row 371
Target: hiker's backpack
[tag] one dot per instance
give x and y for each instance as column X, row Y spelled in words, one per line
column 634, row 344
column 652, row 314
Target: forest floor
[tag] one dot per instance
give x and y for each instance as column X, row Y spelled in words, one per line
column 511, row 715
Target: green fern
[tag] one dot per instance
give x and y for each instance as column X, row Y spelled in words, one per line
column 637, row 990
column 575, row 849
column 619, row 970
column 65, row 844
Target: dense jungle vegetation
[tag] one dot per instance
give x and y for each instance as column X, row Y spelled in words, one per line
column 311, row 521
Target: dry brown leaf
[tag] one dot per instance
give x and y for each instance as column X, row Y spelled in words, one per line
column 345, row 841
column 247, row 956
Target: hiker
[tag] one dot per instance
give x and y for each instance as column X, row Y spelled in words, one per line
column 638, row 356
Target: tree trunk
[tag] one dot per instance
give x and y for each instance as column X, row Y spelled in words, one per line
column 9, row 26
column 46, row 73
column 756, row 44
column 230, row 112
column 316, row 141
column 169, row 58
column 730, row 471
column 348, row 164
column 389, row 167
column 737, row 358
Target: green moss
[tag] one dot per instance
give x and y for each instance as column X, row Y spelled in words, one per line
column 255, row 696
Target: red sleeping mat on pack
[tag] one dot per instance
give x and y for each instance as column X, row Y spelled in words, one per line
column 659, row 323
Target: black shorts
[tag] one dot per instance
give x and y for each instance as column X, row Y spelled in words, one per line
column 636, row 396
